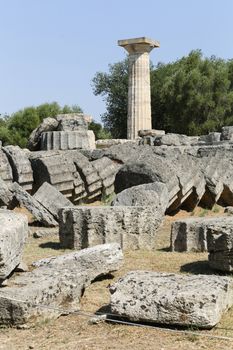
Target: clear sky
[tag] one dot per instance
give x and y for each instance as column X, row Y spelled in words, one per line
column 51, row 49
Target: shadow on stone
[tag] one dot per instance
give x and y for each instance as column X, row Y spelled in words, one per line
column 199, row 267
column 108, row 276
column 51, row 245
column 165, row 249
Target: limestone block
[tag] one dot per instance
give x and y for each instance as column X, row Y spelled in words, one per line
column 106, row 170
column 5, row 168
column 21, row 166
column 227, row 133
column 211, row 137
column 57, row 285
column 132, row 227
column 65, row 140
column 13, row 235
column 72, row 121
column 56, row 168
column 5, row 194
column 172, row 299
column 151, row 132
column 51, row 199
column 88, row 173
column 188, row 235
column 48, row 124
column 220, row 245
column 172, row 140
column 154, row 194
column 24, row 199
column 106, row 143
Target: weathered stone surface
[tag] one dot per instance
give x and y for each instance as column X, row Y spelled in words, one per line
column 227, row 133
column 21, row 166
column 5, row 168
column 172, row 140
column 106, row 170
column 189, row 235
column 152, row 194
column 51, row 199
column 56, row 168
column 48, row 124
column 132, row 227
column 56, row 285
column 220, row 245
column 73, row 121
column 65, row 140
column 5, row 194
column 106, row 143
column 88, row 173
column 211, row 137
column 228, row 210
column 13, row 234
column 150, row 169
column 172, row 299
column 150, row 132
column 24, row 199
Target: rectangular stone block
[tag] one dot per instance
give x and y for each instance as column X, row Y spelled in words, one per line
column 13, row 235
column 132, row 227
column 191, row 234
column 172, row 299
column 51, row 199
column 220, row 245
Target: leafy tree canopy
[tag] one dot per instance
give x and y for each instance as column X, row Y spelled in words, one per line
column 193, row 95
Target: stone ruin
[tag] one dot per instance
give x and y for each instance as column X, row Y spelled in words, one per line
column 143, row 178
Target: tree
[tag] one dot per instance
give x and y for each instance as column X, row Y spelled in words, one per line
column 113, row 87
column 15, row 129
column 193, row 95
column 99, row 131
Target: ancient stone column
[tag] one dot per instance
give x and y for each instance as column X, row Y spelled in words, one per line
column 139, row 95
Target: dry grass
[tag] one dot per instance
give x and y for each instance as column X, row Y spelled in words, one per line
column 74, row 332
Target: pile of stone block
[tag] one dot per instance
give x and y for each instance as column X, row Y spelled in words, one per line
column 74, row 175
column 64, row 132
column 133, row 227
column 56, row 285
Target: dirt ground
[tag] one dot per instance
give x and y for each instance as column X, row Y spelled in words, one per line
column 75, row 332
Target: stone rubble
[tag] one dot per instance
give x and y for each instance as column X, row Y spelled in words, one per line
column 56, row 286
column 25, row 200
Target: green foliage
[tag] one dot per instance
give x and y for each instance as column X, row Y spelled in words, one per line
column 113, row 87
column 99, row 131
column 193, row 95
column 16, row 129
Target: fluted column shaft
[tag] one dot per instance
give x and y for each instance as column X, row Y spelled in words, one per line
column 139, row 94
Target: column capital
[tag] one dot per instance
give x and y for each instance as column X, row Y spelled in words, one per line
column 138, row 45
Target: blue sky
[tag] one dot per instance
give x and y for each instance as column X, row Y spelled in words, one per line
column 51, row 49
